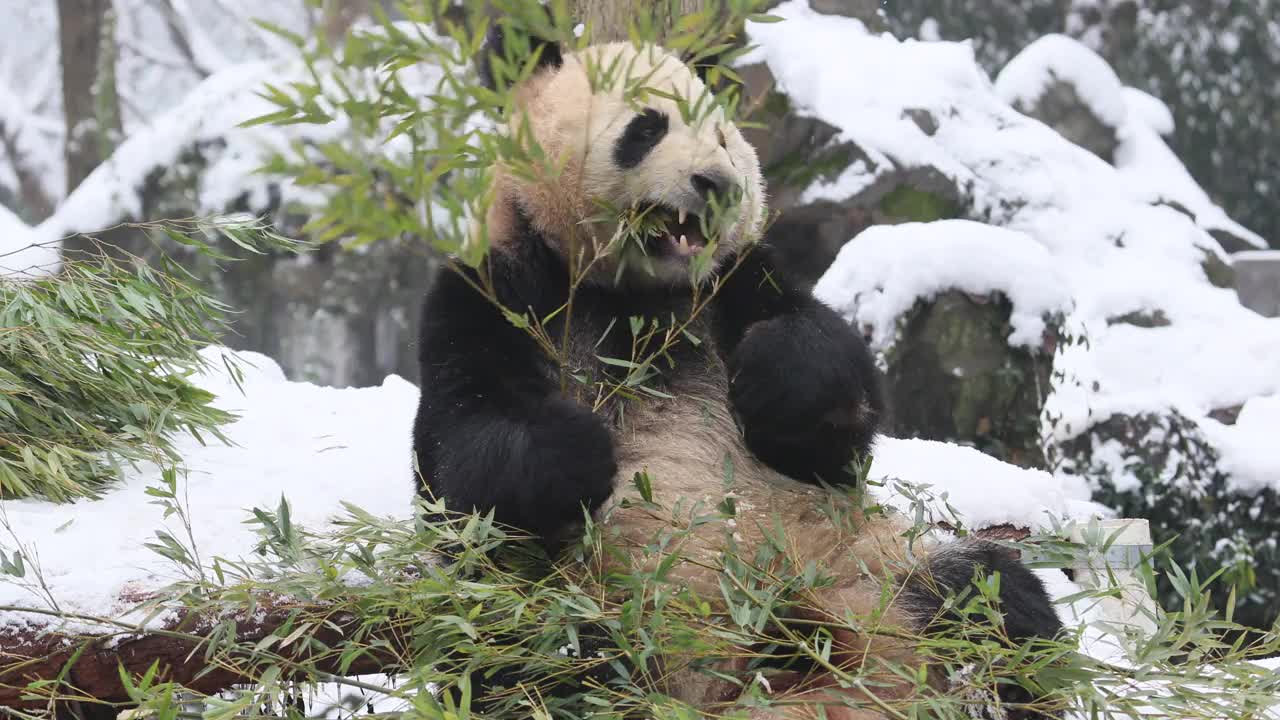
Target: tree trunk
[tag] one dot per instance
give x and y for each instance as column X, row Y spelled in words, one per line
column 609, row 19
column 90, row 106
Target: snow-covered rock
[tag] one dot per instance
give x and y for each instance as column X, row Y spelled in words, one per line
column 1144, row 159
column 1213, row 63
column 884, row 271
column 1113, row 248
column 1131, row 252
column 1068, row 87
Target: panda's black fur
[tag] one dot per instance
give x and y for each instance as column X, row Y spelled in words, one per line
column 494, row 431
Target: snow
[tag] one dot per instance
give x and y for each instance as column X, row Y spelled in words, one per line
column 1248, row 448
column 209, row 118
column 1109, row 242
column 111, row 193
column 317, row 446
column 152, row 71
column 1157, row 174
column 892, row 76
column 30, row 105
column 22, row 255
column 1139, row 118
column 882, row 272
column 1149, row 110
column 982, row 490
column 1058, row 58
column 320, row 446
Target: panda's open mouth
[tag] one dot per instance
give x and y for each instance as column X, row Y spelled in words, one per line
column 678, row 232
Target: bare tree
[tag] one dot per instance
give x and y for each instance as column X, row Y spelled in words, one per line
column 91, row 106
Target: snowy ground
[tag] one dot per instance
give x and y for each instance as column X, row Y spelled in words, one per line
column 316, row 446
column 320, row 446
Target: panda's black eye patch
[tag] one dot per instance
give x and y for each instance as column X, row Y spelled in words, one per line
column 643, row 133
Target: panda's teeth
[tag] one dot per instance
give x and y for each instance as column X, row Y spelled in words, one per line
column 684, row 244
column 681, row 215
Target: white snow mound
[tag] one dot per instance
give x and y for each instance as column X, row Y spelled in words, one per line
column 1149, row 109
column 882, row 272
column 1058, row 58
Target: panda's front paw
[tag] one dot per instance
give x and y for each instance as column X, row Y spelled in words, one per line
column 806, row 394
column 570, row 464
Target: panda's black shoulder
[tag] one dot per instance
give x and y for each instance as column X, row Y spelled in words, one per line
column 523, row 270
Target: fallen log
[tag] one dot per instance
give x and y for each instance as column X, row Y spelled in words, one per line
column 38, row 664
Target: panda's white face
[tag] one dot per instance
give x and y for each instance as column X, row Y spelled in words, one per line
column 643, row 188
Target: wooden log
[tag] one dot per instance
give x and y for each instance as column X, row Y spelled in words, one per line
column 90, row 665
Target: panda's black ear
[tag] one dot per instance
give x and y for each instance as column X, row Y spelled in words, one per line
column 504, row 43
column 702, row 64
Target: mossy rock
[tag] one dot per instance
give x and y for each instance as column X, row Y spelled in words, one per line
column 906, row 203
column 1168, row 473
column 953, row 376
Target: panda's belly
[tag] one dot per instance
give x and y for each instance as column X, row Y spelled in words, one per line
column 692, row 455
column 688, row 447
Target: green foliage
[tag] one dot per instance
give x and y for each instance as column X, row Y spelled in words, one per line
column 1211, row 527
column 466, row 619
column 95, row 367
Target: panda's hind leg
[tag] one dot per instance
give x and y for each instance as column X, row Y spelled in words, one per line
column 951, row 569
column 1025, row 608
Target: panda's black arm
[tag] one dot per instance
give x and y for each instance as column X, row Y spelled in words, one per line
column 493, row 432
column 802, row 382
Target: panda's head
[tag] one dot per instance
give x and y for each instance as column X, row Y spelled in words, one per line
column 645, row 179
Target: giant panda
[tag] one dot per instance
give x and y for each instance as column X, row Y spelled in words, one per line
column 766, row 394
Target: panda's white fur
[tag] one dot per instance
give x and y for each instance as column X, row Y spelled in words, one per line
column 685, row 440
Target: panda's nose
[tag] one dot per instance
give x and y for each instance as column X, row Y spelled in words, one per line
column 708, row 184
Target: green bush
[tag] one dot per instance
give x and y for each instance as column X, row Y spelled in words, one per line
column 466, row 620
column 1208, row 526
column 95, row 368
